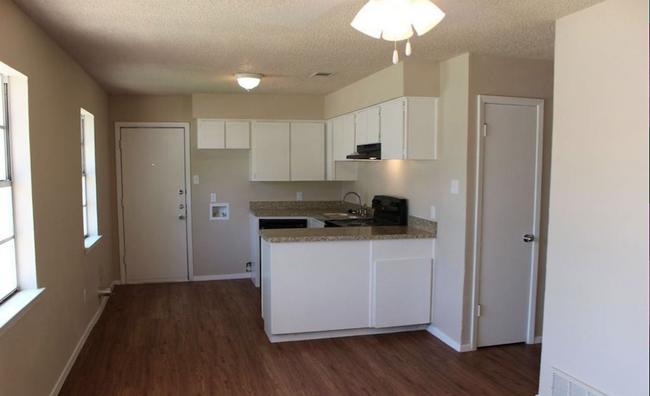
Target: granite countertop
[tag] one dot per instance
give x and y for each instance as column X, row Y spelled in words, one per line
column 343, row 234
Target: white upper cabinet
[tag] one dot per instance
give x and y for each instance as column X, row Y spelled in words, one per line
column 222, row 134
column 349, row 145
column 271, row 151
column 238, row 134
column 361, row 127
column 329, row 150
column 373, row 125
column 211, row 134
column 367, row 126
column 392, row 129
column 307, row 151
column 409, row 129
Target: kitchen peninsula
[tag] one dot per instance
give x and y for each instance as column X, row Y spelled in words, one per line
column 343, row 281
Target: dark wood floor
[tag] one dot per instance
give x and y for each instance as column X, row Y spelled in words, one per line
column 207, row 338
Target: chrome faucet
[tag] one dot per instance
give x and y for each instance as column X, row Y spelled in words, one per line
column 352, row 193
column 364, row 209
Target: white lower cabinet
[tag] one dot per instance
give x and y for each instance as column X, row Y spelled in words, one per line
column 320, row 287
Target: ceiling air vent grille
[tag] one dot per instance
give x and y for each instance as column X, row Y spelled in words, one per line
column 565, row 385
column 321, row 74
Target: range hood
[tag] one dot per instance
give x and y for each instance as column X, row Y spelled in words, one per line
column 366, row 152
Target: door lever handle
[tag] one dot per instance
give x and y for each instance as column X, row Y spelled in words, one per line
column 529, row 238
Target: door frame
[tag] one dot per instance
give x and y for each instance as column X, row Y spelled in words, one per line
column 483, row 100
column 188, row 185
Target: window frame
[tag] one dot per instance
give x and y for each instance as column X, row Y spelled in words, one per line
column 84, row 178
column 8, row 181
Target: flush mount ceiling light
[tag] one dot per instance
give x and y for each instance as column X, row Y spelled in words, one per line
column 394, row 20
column 248, row 81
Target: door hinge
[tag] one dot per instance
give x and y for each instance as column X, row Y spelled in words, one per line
column 484, row 130
column 478, row 311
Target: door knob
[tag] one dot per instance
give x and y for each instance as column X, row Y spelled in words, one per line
column 529, row 238
column 182, row 217
column 181, row 206
column 181, row 192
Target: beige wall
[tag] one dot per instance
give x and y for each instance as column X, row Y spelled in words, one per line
column 596, row 314
column 36, row 349
column 261, row 107
column 407, row 78
column 527, row 78
column 222, row 247
column 427, row 183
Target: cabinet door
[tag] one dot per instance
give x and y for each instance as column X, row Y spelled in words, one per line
column 372, row 126
column 238, row 135
column 329, row 150
column 361, row 127
column 402, row 292
column 307, row 151
column 271, row 151
column 338, row 142
column 392, row 129
column 211, row 134
column 349, row 145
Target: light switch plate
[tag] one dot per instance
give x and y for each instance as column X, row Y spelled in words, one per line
column 299, row 196
column 455, row 186
column 213, row 197
column 196, row 179
column 433, row 213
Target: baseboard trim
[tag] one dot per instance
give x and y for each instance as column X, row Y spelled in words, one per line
column 202, row 278
column 439, row 334
column 80, row 345
column 537, row 340
column 319, row 335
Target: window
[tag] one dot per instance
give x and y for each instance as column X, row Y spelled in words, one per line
column 84, row 181
column 8, row 273
column 88, row 180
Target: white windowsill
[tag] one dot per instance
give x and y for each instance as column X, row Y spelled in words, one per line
column 90, row 242
column 16, row 307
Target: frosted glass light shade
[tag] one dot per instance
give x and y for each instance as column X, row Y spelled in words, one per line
column 393, row 20
column 248, row 81
column 425, row 16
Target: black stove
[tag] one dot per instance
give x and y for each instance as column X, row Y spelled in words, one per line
column 387, row 211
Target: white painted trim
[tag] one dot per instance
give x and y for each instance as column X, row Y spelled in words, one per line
column 538, row 340
column 319, row 335
column 188, row 188
column 201, row 278
column 90, row 242
column 532, row 298
column 78, row 348
column 439, row 334
column 172, row 279
column 16, row 306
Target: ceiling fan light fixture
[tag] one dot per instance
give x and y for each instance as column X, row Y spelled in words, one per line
column 394, row 20
column 248, row 81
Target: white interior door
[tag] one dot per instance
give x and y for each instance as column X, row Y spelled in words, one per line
column 510, row 193
column 154, row 200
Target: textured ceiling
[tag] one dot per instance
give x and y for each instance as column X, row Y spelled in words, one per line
column 186, row 46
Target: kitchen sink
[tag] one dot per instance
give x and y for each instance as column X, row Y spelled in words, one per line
column 341, row 216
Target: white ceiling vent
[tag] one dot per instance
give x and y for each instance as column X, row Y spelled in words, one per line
column 321, row 74
column 565, row 385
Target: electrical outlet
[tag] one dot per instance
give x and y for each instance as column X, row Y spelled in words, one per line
column 433, row 213
column 213, row 197
column 249, row 266
column 85, row 296
column 196, row 179
column 299, row 196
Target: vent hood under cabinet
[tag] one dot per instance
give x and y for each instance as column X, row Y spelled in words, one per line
column 366, row 152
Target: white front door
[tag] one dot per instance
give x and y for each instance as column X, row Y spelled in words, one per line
column 154, row 200
column 511, row 164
